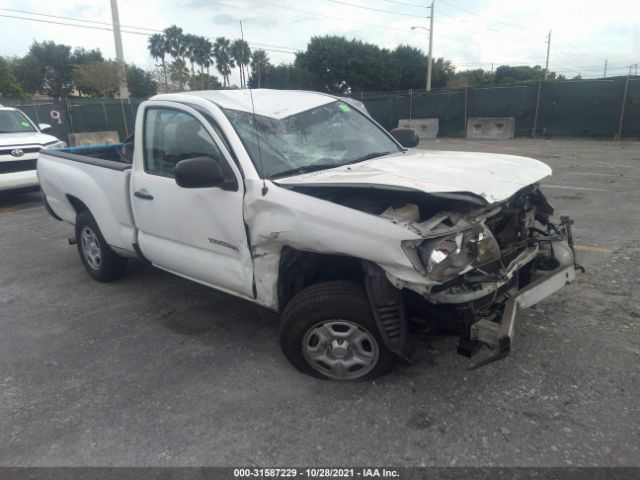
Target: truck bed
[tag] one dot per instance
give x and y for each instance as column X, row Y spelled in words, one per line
column 107, row 156
column 96, row 177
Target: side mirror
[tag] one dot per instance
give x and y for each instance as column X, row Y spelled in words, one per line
column 199, row 172
column 44, row 126
column 407, row 137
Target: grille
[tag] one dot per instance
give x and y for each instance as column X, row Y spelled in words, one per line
column 17, row 166
column 25, row 150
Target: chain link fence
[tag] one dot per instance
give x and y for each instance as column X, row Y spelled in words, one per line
column 607, row 107
column 80, row 115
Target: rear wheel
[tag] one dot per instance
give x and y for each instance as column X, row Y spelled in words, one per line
column 102, row 263
column 328, row 331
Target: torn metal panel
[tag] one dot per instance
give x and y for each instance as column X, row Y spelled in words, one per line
column 284, row 217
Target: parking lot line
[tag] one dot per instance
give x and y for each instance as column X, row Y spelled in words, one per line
column 589, row 248
column 18, row 207
column 575, row 188
column 589, row 174
column 607, row 164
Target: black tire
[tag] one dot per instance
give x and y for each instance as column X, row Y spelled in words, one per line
column 318, row 305
column 110, row 266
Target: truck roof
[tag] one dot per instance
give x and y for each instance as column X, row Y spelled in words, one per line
column 269, row 103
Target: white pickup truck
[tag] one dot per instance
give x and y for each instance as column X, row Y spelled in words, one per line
column 300, row 202
column 20, row 142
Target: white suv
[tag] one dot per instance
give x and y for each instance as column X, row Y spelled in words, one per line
column 20, row 142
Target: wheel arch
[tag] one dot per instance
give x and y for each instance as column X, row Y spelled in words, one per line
column 77, row 204
column 299, row 269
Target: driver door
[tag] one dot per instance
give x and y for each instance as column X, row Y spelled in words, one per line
column 197, row 233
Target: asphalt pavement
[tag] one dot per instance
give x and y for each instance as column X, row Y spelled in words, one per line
column 157, row 370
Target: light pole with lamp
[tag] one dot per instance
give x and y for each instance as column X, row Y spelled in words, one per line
column 430, row 30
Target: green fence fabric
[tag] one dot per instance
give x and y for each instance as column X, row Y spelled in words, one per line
column 590, row 108
column 586, row 108
column 77, row 115
column 447, row 106
column 518, row 102
column 44, row 111
column 567, row 108
column 631, row 124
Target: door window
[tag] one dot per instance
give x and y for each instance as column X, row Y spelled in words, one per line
column 170, row 136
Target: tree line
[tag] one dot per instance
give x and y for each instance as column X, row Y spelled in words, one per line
column 331, row 64
column 58, row 71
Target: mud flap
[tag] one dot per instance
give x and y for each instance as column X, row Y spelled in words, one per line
column 388, row 309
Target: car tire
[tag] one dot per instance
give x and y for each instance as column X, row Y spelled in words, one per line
column 328, row 331
column 100, row 261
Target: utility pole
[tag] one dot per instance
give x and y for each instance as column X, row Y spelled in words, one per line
column 605, row 68
column 624, row 101
column 546, row 67
column 430, row 66
column 117, row 36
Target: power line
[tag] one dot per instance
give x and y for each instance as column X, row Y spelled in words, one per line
column 375, row 9
column 91, row 27
column 77, row 19
column 109, row 29
column 105, row 28
column 406, row 4
column 306, row 12
column 500, row 32
column 136, row 27
column 481, row 16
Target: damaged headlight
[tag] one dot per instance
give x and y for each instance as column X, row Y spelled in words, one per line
column 443, row 258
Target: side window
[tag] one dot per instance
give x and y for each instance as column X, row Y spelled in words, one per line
column 171, row 136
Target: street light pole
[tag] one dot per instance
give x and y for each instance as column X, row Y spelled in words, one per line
column 117, row 36
column 430, row 65
column 546, row 66
column 430, row 59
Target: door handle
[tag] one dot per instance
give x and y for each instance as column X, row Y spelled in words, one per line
column 143, row 194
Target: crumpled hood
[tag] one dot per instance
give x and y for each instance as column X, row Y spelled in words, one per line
column 494, row 177
column 25, row 138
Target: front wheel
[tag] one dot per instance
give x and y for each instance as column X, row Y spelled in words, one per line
column 102, row 263
column 328, row 331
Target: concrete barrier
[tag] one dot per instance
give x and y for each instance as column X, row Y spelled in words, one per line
column 93, row 138
column 498, row 128
column 426, row 127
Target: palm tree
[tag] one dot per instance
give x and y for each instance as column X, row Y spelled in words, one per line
column 191, row 49
column 242, row 55
column 179, row 73
column 224, row 60
column 203, row 57
column 259, row 64
column 207, row 54
column 157, row 49
column 175, row 45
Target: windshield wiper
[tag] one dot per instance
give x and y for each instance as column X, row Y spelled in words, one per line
column 305, row 169
column 368, row 156
column 325, row 166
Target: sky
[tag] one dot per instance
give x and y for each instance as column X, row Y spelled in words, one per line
column 472, row 34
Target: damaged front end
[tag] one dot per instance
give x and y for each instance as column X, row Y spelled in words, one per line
column 479, row 268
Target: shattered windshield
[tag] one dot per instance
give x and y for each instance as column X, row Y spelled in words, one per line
column 324, row 137
column 13, row 121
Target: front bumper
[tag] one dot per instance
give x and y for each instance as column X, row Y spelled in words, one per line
column 498, row 335
column 17, row 180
